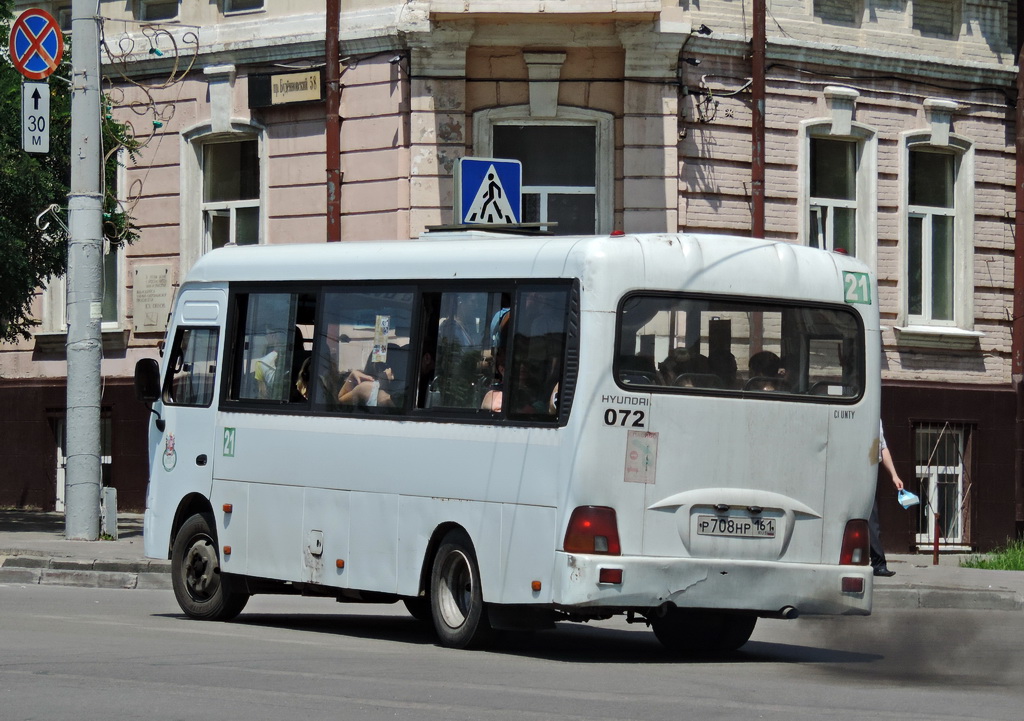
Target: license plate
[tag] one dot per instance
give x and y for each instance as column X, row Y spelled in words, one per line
column 737, row 526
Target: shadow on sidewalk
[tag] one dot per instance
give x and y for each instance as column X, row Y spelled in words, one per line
column 51, row 523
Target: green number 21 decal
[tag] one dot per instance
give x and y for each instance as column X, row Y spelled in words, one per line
column 857, row 287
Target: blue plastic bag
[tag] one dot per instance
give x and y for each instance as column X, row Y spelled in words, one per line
column 907, row 499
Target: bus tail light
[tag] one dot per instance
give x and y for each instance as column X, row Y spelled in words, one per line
column 592, row 529
column 855, row 544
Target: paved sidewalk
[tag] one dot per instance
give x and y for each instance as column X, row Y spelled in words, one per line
column 33, row 550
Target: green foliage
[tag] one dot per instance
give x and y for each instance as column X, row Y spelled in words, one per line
column 1010, row 558
column 30, row 183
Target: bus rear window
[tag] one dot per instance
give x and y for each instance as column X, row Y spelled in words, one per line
column 723, row 345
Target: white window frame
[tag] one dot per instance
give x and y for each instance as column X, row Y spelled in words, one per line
column 195, row 240
column 484, row 122
column 866, row 186
column 963, row 237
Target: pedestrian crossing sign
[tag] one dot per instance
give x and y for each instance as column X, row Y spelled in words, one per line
column 489, row 191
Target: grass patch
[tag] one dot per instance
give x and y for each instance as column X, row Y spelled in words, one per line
column 1010, row 558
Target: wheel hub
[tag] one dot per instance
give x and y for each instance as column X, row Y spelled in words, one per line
column 201, row 569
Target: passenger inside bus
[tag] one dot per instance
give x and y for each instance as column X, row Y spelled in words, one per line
column 492, row 399
column 364, row 389
column 302, row 380
column 266, row 368
column 765, row 372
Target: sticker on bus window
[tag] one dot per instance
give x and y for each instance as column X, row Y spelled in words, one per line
column 381, row 331
column 856, row 287
column 641, row 456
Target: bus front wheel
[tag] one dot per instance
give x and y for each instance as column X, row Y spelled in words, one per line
column 690, row 632
column 200, row 588
column 457, row 604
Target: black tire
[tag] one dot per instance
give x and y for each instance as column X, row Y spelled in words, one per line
column 418, row 608
column 456, row 598
column 202, row 591
column 703, row 633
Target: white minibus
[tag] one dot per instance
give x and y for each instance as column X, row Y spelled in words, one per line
column 505, row 432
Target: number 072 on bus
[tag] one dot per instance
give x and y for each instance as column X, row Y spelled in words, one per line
column 507, row 432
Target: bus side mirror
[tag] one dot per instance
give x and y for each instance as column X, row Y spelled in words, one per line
column 147, row 386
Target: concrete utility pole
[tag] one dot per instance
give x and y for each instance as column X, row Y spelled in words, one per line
column 85, row 280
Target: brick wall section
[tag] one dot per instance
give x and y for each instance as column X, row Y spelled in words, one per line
column 375, row 141
column 28, row 445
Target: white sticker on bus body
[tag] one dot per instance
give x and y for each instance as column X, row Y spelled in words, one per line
column 641, row 457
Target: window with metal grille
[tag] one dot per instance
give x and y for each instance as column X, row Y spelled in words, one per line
column 941, row 452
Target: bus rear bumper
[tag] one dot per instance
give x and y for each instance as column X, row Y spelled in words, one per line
column 767, row 588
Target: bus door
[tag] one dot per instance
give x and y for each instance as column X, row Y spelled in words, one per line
column 186, row 448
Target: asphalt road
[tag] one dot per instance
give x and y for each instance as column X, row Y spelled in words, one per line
column 84, row 654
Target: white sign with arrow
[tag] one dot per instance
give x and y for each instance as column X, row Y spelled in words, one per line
column 35, row 117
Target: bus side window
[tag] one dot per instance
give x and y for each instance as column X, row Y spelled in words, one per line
column 538, row 352
column 271, row 345
column 193, row 367
column 462, row 358
column 361, row 355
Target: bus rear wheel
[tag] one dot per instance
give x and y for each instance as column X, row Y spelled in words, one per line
column 202, row 591
column 703, row 633
column 457, row 603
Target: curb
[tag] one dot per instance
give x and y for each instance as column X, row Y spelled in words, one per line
column 18, row 567
column 46, row 571
column 968, row 599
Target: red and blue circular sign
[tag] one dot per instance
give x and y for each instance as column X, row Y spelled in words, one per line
column 37, row 44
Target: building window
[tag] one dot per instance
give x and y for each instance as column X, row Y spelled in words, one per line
column 242, row 6
column 113, row 279
column 838, row 12
column 833, row 195
column 559, row 173
column 938, row 254
column 935, row 18
column 155, row 10
column 839, row 189
column 106, row 456
column 63, row 15
column 231, row 193
column 940, row 452
column 567, row 164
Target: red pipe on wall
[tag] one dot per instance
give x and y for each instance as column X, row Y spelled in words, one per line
column 1017, row 333
column 333, row 120
column 757, row 161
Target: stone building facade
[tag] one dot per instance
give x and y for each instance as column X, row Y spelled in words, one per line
column 889, row 135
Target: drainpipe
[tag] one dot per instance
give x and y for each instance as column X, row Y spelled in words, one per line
column 757, row 120
column 1017, row 343
column 333, row 121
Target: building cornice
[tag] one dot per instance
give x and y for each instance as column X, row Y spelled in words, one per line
column 857, row 59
